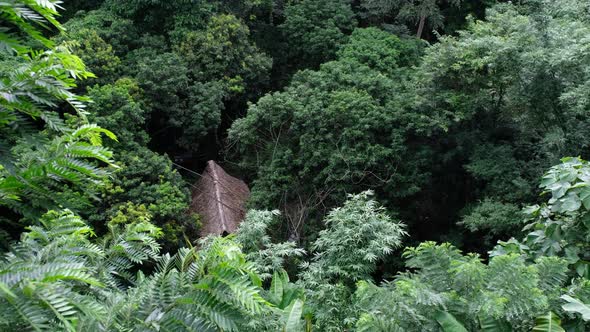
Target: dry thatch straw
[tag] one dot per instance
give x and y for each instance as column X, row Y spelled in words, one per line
column 220, row 200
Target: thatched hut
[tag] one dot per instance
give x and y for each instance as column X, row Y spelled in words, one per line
column 219, row 199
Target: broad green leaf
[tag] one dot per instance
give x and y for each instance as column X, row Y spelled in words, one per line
column 276, row 286
column 489, row 324
column 531, row 210
column 582, row 268
column 292, row 316
column 448, row 322
column 548, row 323
column 571, row 254
column 559, row 189
column 576, row 306
column 585, row 197
column 571, row 203
column 548, row 180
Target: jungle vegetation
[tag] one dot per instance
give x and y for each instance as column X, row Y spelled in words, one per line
column 414, row 165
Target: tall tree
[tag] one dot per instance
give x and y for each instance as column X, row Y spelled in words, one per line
column 336, row 130
column 514, row 103
column 419, row 12
column 314, row 30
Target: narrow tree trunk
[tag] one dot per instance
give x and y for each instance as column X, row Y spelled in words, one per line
column 421, row 26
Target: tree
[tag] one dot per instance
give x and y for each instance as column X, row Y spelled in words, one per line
column 97, row 54
column 315, row 30
column 340, row 129
column 558, row 227
column 223, row 51
column 411, row 11
column 119, row 106
column 147, row 178
column 381, row 51
column 358, row 235
column 114, row 30
column 268, row 256
column 524, row 284
column 507, row 293
column 501, row 89
column 192, row 110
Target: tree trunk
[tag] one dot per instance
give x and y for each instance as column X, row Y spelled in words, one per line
column 421, row 26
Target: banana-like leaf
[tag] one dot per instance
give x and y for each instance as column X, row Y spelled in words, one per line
column 448, row 322
column 489, row 324
column 548, row 323
column 576, row 306
column 292, row 316
column 276, row 286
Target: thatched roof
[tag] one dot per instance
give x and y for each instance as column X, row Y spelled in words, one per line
column 220, row 200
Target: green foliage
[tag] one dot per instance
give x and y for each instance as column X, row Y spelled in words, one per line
column 315, row 30
column 223, row 50
column 576, row 306
column 55, row 278
column 27, row 17
column 380, row 50
column 114, row 30
column 147, row 178
column 288, row 300
column 336, row 130
column 220, row 63
column 210, row 289
column 253, row 236
column 491, row 69
column 55, row 166
column 497, row 217
column 506, row 290
column 52, row 278
column 42, row 79
column 34, row 180
column 97, row 54
column 500, row 89
column 131, row 240
column 514, row 291
column 504, row 175
column 358, row 236
column 414, row 12
column 455, row 131
column 559, row 227
column 155, row 16
column 115, row 106
column 162, row 79
column 548, row 323
column 194, row 63
column 193, row 109
column 429, row 10
column 448, row 322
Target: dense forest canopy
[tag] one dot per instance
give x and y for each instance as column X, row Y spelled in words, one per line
column 414, row 165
